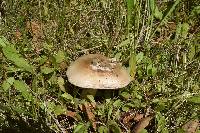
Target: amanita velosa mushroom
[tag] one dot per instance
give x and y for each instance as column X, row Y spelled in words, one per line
column 95, row 71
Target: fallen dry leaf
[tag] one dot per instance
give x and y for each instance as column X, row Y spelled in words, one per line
column 90, row 115
column 144, row 122
column 63, row 65
column 128, row 118
column 35, row 28
column 18, row 34
column 131, row 115
column 71, row 114
column 191, row 126
column 81, row 107
column 166, row 32
column 138, row 117
column 93, row 105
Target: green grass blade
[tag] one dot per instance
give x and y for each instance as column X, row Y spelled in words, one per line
column 166, row 16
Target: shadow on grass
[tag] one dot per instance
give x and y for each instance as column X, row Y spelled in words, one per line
column 19, row 125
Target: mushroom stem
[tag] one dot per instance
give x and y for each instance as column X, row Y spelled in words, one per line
column 86, row 92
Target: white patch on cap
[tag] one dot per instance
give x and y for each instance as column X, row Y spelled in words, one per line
column 103, row 65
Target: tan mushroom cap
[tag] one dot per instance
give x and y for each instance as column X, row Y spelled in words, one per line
column 97, row 72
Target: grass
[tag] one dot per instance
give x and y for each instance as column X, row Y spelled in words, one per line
column 158, row 42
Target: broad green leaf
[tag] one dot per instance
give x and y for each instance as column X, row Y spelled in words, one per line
column 113, row 127
column 10, row 80
column 165, row 130
column 123, row 43
column 42, row 105
column 22, row 63
column 117, row 103
column 151, row 70
column 131, row 104
column 164, row 19
column 80, row 128
column 152, row 6
column 139, row 57
column 50, row 106
column 195, row 99
column 160, row 105
column 130, row 8
column 48, row 46
column 3, row 41
column 67, row 96
column 192, row 52
column 46, row 70
column 102, row 129
column 154, row 71
column 58, row 109
column 135, row 103
column 7, row 83
column 60, row 56
column 42, row 59
column 46, row 10
column 20, row 109
column 143, row 131
column 161, row 123
column 22, row 87
column 61, row 82
column 158, row 14
column 12, row 69
column 180, row 130
column 110, row 110
column 91, row 98
column 184, row 55
column 140, row 73
column 53, row 79
column 12, row 54
column 178, row 30
column 41, row 90
column 108, row 100
column 184, row 30
column 118, row 56
column 125, row 108
column 125, row 95
column 195, row 11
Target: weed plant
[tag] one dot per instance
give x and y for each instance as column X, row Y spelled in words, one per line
column 158, row 42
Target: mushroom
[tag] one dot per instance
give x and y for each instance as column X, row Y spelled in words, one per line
column 95, row 71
